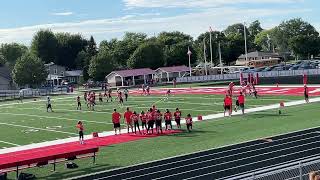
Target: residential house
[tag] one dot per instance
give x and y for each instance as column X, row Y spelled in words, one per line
column 6, row 81
column 259, row 59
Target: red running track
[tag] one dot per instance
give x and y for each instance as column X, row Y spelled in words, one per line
column 293, row 91
column 43, row 152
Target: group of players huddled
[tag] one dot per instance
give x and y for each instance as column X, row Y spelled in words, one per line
column 150, row 119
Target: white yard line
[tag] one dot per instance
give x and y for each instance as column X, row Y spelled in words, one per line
column 42, row 129
column 110, row 133
column 38, row 100
column 5, row 142
column 49, row 117
column 68, row 110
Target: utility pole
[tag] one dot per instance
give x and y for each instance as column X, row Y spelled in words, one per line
column 204, row 54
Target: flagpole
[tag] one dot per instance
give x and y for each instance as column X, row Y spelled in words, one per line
column 204, row 53
column 211, row 46
column 245, row 41
column 189, row 54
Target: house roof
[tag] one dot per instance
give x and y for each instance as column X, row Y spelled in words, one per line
column 259, row 54
column 5, row 72
column 75, row 73
column 133, row 72
column 174, row 69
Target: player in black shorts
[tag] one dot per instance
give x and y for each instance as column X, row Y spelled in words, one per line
column 159, row 122
column 306, row 94
column 79, row 103
column 177, row 117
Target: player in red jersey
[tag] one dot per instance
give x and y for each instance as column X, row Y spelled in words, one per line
column 189, row 122
column 154, row 109
column 120, row 98
column 80, row 128
column 150, row 120
column 143, row 118
column 148, row 90
column 135, row 119
column 127, row 116
column 158, row 118
column 241, row 101
column 230, row 88
column 227, row 105
column 168, row 119
column 116, row 121
column 177, row 117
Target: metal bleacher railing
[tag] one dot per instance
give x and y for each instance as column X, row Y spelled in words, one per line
column 237, row 75
column 297, row 170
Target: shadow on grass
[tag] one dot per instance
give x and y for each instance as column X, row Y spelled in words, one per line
column 193, row 133
column 79, row 172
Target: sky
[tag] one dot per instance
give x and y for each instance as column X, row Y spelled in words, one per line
column 107, row 19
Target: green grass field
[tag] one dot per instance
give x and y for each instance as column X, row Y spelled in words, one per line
column 29, row 122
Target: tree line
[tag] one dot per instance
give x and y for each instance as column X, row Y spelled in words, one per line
column 136, row 50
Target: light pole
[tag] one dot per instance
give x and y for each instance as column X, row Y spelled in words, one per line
column 189, row 54
column 245, row 40
column 211, row 46
column 219, row 50
column 205, row 56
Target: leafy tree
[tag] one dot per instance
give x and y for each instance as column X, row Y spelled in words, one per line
column 68, row 48
column 92, row 47
column 265, row 40
column 290, row 32
column 125, row 48
column 12, row 52
column 255, row 28
column 2, row 60
column 175, row 48
column 148, row 54
column 44, row 45
column 82, row 62
column 100, row 66
column 304, row 46
column 29, row 70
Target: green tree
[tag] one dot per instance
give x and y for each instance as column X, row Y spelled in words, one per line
column 289, row 34
column 255, row 28
column 92, row 47
column 100, row 66
column 12, row 52
column 69, row 46
column 29, row 70
column 2, row 60
column 44, row 45
column 125, row 48
column 175, row 48
column 82, row 62
column 265, row 40
column 147, row 55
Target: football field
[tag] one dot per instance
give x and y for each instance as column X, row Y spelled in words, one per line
column 28, row 122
